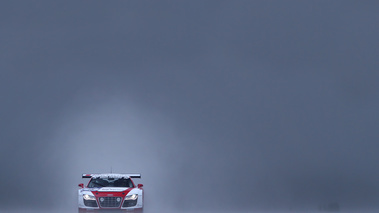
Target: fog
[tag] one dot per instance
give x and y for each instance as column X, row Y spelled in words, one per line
column 239, row 106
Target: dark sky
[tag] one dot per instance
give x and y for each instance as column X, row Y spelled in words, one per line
column 219, row 104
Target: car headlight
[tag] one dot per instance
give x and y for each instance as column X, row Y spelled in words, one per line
column 131, row 197
column 89, row 197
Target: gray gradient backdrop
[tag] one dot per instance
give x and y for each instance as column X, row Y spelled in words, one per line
column 236, row 105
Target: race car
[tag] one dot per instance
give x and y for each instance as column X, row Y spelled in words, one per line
column 110, row 192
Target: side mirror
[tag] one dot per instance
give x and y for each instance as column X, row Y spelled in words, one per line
column 140, row 185
column 81, row 185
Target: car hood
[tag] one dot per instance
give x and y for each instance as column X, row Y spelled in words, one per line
column 111, row 189
column 106, row 189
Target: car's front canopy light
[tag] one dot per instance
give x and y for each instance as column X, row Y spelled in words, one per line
column 88, row 197
column 131, row 197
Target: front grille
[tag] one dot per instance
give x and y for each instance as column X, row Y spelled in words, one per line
column 110, row 202
column 90, row 203
column 129, row 203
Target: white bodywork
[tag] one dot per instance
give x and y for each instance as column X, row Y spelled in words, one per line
column 99, row 192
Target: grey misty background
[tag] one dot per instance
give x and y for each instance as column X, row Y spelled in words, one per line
column 238, row 105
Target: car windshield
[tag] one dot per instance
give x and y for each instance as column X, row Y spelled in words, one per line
column 110, row 182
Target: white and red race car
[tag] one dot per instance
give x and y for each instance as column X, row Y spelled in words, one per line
column 105, row 192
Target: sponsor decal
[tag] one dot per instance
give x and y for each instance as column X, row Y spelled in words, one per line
column 112, row 189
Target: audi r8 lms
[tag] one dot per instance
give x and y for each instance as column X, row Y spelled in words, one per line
column 110, row 192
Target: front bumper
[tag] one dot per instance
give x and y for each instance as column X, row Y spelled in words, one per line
column 132, row 210
column 110, row 203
